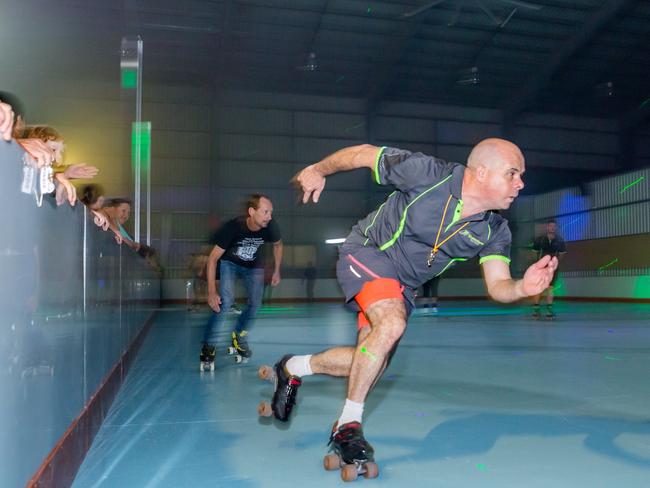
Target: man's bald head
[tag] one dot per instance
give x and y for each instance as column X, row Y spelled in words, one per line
column 492, row 152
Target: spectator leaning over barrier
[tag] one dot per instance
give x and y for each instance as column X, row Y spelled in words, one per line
column 118, row 211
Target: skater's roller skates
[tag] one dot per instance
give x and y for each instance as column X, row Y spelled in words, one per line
column 536, row 314
column 206, row 358
column 353, row 455
column 549, row 313
column 239, row 347
column 286, row 389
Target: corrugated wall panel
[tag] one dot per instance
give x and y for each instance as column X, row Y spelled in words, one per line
column 231, row 201
column 566, row 141
column 289, row 101
column 186, row 172
column 403, row 129
column 456, row 153
column 337, row 204
column 448, row 112
column 167, row 144
column 569, row 122
column 616, row 190
column 256, row 175
column 343, row 126
column 593, row 162
column 465, row 133
column 254, row 147
column 170, row 198
column 178, row 116
column 312, row 149
column 253, row 121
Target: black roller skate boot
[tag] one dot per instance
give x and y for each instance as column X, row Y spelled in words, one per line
column 206, row 358
column 352, row 453
column 549, row 313
column 286, row 390
column 536, row 313
column 240, row 347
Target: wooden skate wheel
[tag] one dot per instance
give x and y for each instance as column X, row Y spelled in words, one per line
column 331, row 462
column 264, row 409
column 265, row 373
column 349, row 472
column 372, row 470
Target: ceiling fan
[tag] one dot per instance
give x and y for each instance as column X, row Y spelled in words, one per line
column 311, row 65
column 500, row 22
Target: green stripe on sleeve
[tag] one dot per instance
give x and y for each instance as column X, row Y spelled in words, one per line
column 379, row 153
column 494, row 256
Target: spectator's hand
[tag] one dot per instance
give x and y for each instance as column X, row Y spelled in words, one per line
column 214, row 300
column 118, row 238
column 80, row 171
column 310, row 182
column 39, row 151
column 70, row 190
column 539, row 275
column 275, row 279
column 100, row 220
column 6, row 121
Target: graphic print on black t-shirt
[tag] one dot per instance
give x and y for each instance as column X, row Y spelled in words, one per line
column 242, row 245
column 247, row 248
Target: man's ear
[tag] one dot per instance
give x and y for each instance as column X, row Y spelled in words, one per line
column 481, row 172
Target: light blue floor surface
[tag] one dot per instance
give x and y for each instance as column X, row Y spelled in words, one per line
column 478, row 395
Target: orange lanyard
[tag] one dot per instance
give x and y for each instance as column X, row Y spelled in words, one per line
column 436, row 246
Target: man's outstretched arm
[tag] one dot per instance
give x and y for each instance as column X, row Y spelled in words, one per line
column 311, row 180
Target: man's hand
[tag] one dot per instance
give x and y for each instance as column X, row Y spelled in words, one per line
column 311, row 182
column 214, row 300
column 538, row 276
column 80, row 171
column 6, row 121
column 275, row 279
column 39, row 151
column 70, row 190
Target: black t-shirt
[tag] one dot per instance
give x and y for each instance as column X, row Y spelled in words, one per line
column 543, row 245
column 242, row 245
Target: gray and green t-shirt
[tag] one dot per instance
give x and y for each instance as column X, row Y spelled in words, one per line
column 406, row 225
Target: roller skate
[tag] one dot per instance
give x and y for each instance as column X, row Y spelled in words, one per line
column 239, row 347
column 353, row 455
column 286, row 389
column 536, row 314
column 549, row 313
column 208, row 353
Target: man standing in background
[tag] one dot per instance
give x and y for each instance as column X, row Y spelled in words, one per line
column 237, row 247
column 548, row 244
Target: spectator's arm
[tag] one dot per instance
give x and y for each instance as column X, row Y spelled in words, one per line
column 38, row 150
column 277, row 258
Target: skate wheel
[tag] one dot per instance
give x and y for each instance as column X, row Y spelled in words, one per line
column 372, row 470
column 231, row 350
column 266, row 373
column 264, row 409
column 332, row 462
column 238, row 359
column 349, row 472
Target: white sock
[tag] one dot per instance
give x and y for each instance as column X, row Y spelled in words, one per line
column 352, row 412
column 299, row 366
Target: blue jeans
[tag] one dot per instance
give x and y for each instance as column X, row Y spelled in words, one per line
column 254, row 283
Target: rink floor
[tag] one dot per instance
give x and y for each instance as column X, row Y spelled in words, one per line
column 478, row 395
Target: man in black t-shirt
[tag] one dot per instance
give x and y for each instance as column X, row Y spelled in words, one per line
column 548, row 244
column 238, row 249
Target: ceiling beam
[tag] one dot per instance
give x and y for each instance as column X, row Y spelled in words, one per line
column 389, row 67
column 529, row 92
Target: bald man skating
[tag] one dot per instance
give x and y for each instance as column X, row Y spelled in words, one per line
column 440, row 213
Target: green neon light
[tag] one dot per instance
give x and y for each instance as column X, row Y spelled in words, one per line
column 635, row 182
column 129, row 78
column 481, row 467
column 614, row 261
column 368, row 353
column 612, row 358
column 141, row 138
